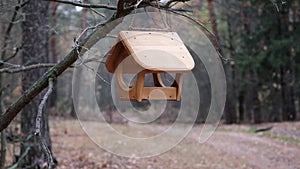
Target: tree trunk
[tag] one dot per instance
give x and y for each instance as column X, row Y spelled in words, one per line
column 230, row 107
column 3, row 137
column 289, row 108
column 241, row 104
column 35, row 50
column 212, row 17
column 231, row 115
column 53, row 46
column 255, row 103
column 276, row 102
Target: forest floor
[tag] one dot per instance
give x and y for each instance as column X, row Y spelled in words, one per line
column 230, row 147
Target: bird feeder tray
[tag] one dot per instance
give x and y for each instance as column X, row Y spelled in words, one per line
column 141, row 53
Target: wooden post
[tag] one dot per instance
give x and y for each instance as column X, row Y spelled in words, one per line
column 139, row 86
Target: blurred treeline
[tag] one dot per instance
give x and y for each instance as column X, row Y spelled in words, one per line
column 261, row 38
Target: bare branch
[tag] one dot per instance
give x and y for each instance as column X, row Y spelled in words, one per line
column 98, row 13
column 9, row 28
column 19, row 68
column 7, row 63
column 97, row 74
column 26, row 68
column 85, row 5
column 41, row 106
column 3, row 149
column 16, row 51
column 38, row 124
column 84, row 32
column 276, row 5
column 20, row 158
column 167, row 3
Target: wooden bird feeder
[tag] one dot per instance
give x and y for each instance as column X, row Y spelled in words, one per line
column 141, row 53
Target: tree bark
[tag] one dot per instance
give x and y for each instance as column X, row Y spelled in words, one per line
column 35, row 50
column 289, row 107
column 213, row 19
column 230, row 115
column 3, row 137
column 53, row 46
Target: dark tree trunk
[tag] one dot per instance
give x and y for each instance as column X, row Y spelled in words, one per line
column 53, row 46
column 212, row 17
column 231, row 103
column 241, row 103
column 276, row 102
column 230, row 114
column 255, row 107
column 35, row 50
column 252, row 103
column 289, row 108
column 3, row 137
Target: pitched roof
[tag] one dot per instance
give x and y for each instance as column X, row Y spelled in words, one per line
column 157, row 51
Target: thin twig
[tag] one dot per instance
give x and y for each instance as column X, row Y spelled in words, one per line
column 83, row 62
column 9, row 28
column 99, row 13
column 81, row 36
column 85, row 5
column 7, row 63
column 97, row 74
column 16, row 50
column 213, row 37
column 26, row 68
column 138, row 3
column 276, row 5
column 20, row 158
column 38, row 124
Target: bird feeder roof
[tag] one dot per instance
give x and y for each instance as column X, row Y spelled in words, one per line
column 154, row 51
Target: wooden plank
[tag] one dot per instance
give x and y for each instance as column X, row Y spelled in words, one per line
column 110, row 59
column 178, row 84
column 150, row 93
column 116, row 55
column 139, row 86
column 159, row 93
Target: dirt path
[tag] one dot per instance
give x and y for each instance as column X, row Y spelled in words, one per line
column 226, row 149
column 239, row 150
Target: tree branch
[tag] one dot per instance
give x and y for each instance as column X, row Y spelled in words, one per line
column 26, row 68
column 38, row 124
column 84, row 5
column 38, row 121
